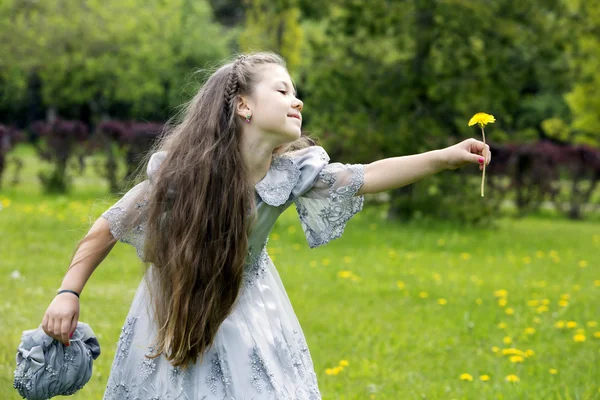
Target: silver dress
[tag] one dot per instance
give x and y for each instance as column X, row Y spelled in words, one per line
column 259, row 351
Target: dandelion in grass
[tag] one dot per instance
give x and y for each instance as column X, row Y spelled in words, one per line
column 516, row 359
column 571, row 324
column 559, row 324
column 597, row 335
column 507, row 340
column 484, row 378
column 482, row 119
column 529, row 331
column 500, row 293
column 529, row 353
column 502, row 302
column 495, row 349
column 592, row 324
column 442, row 302
column 502, row 325
column 553, row 371
column 533, row 303
column 509, row 311
column 466, row 377
column 423, row 295
column 563, row 303
column 579, row 338
column 583, row 264
column 344, row 363
column 400, row 284
column 512, row 378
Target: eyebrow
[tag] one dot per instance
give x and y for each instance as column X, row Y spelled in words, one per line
column 287, row 86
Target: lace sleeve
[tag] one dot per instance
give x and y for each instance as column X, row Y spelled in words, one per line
column 325, row 209
column 120, row 215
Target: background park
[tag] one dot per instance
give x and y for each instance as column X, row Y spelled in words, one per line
column 433, row 292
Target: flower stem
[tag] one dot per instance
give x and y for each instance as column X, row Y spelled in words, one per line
column 483, row 176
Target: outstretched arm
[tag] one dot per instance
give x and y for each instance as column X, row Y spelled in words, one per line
column 395, row 172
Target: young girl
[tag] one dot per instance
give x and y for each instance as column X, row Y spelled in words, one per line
column 211, row 318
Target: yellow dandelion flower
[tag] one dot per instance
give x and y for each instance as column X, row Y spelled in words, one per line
column 545, row 302
column 583, row 264
column 597, row 335
column 500, row 293
column 553, row 253
column 423, row 295
column 563, row 303
column 466, row 377
column 495, row 349
column 576, row 287
column 529, row 331
column 478, row 302
column 465, row 256
column 565, row 296
column 329, row 371
column 516, row 359
column 291, row 230
column 400, row 285
column 507, row 340
column 559, row 324
column 592, row 324
column 484, row 378
column 512, row 378
column 502, row 302
column 580, row 331
column 542, row 309
column 571, row 324
column 509, row 311
column 442, row 302
column 533, row 303
column 437, row 277
column 597, row 283
column 482, row 119
column 529, row 353
column 553, row 371
column 536, row 320
column 502, row 325
column 344, row 363
column 579, row 338
column 6, row 203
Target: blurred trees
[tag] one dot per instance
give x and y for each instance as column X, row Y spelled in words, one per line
column 112, row 57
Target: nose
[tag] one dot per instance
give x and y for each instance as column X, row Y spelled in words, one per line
column 298, row 104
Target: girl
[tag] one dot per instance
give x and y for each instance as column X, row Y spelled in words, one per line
column 211, row 318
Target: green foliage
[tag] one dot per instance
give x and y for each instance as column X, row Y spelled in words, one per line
column 103, row 53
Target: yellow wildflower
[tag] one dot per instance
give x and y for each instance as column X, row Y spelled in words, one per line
column 559, row 324
column 597, row 335
column 597, row 283
column 502, row 325
column 478, row 302
column 545, row 302
column 571, row 324
column 516, row 359
column 533, row 303
column 465, row 256
column 553, row 371
column 529, row 353
column 592, row 324
column 507, row 340
column 502, row 302
column 583, row 264
column 495, row 349
column 344, row 363
column 500, row 293
column 509, row 311
column 442, row 302
column 400, row 285
column 579, row 338
column 542, row 309
column 423, row 295
column 529, row 331
column 466, row 377
column 563, row 303
column 482, row 119
column 536, row 320
column 329, row 371
column 484, row 378
column 512, row 378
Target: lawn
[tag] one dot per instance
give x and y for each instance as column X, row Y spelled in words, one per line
column 390, row 310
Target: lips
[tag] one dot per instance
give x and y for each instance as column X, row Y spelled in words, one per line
column 297, row 116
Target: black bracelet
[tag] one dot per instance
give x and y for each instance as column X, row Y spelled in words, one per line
column 68, row 291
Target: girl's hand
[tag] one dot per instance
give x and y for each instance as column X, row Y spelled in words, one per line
column 61, row 317
column 470, row 151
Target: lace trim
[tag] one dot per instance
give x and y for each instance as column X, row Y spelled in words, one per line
column 342, row 205
column 276, row 191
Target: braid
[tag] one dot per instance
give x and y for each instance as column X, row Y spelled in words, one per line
column 232, row 85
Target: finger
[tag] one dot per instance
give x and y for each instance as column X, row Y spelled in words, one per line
column 478, row 159
column 73, row 325
column 56, row 328
column 45, row 323
column 65, row 330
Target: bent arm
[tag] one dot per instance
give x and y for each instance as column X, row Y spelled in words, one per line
column 93, row 248
column 395, row 172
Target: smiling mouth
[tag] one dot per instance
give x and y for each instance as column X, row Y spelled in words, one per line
column 294, row 116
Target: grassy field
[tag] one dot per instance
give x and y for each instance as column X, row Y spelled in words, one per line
column 414, row 311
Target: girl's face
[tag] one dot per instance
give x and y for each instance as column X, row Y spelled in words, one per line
column 273, row 104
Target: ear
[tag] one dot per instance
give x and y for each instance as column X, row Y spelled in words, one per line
column 243, row 106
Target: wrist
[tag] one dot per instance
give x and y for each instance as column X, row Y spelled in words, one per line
column 68, row 292
column 440, row 160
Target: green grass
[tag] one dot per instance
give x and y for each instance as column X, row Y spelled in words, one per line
column 398, row 344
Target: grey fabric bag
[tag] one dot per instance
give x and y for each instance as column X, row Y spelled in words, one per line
column 47, row 368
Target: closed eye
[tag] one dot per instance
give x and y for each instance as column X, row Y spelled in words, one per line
column 282, row 91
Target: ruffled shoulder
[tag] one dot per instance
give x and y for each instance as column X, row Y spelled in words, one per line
column 291, row 174
column 156, row 159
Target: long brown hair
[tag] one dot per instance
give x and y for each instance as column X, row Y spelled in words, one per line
column 200, row 212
